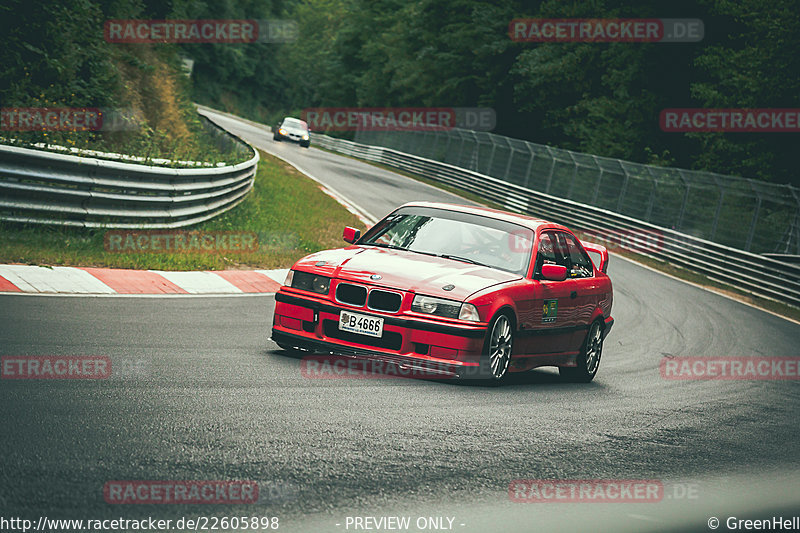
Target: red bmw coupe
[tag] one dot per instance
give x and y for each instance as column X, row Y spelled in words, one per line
column 454, row 291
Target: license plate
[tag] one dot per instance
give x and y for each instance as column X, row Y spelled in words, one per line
column 361, row 324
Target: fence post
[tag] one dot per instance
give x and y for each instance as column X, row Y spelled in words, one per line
column 719, row 209
column 649, row 213
column 754, row 221
column 530, row 165
column 474, row 160
column 599, row 179
column 552, row 169
column 491, row 157
column 510, row 158
column 462, row 138
column 679, row 224
column 447, row 148
column 574, row 175
column 624, row 189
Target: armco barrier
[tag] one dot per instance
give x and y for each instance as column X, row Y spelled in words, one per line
column 43, row 187
column 753, row 273
column 742, row 213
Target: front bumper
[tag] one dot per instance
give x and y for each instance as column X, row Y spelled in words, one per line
column 418, row 368
column 411, row 342
column 293, row 138
column 607, row 329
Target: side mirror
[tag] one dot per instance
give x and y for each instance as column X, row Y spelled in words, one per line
column 554, row 272
column 351, row 235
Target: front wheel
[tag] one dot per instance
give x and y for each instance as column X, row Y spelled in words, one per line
column 497, row 349
column 588, row 359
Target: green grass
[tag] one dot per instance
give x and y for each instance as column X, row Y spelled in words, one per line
column 288, row 212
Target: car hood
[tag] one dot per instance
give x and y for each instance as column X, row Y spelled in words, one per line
column 404, row 270
column 293, row 129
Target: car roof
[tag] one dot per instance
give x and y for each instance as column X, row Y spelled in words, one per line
column 522, row 220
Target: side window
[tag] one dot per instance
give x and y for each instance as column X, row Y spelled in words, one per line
column 580, row 266
column 550, row 253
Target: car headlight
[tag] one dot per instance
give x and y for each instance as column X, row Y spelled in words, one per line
column 435, row 306
column 311, row 282
column 305, row 136
column 469, row 312
column 282, row 131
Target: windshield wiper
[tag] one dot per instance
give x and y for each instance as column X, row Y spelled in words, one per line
column 459, row 258
column 393, row 247
column 384, row 245
column 433, row 254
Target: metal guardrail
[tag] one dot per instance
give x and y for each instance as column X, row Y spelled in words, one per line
column 753, row 273
column 43, row 187
column 751, row 215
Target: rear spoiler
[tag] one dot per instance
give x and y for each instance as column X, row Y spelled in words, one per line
column 598, row 249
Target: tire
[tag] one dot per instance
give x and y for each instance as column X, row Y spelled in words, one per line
column 588, row 360
column 305, row 145
column 276, row 138
column 497, row 349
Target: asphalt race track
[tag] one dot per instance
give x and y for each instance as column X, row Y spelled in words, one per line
column 203, row 393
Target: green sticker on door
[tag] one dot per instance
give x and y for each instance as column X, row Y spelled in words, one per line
column 549, row 311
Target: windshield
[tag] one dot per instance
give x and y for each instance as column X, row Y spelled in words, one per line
column 295, row 123
column 457, row 236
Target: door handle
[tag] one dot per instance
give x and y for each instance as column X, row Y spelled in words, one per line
column 573, row 295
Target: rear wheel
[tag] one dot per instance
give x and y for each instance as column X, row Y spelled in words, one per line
column 588, row 360
column 499, row 343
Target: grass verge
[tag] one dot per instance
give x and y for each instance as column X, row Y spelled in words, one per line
column 288, row 212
